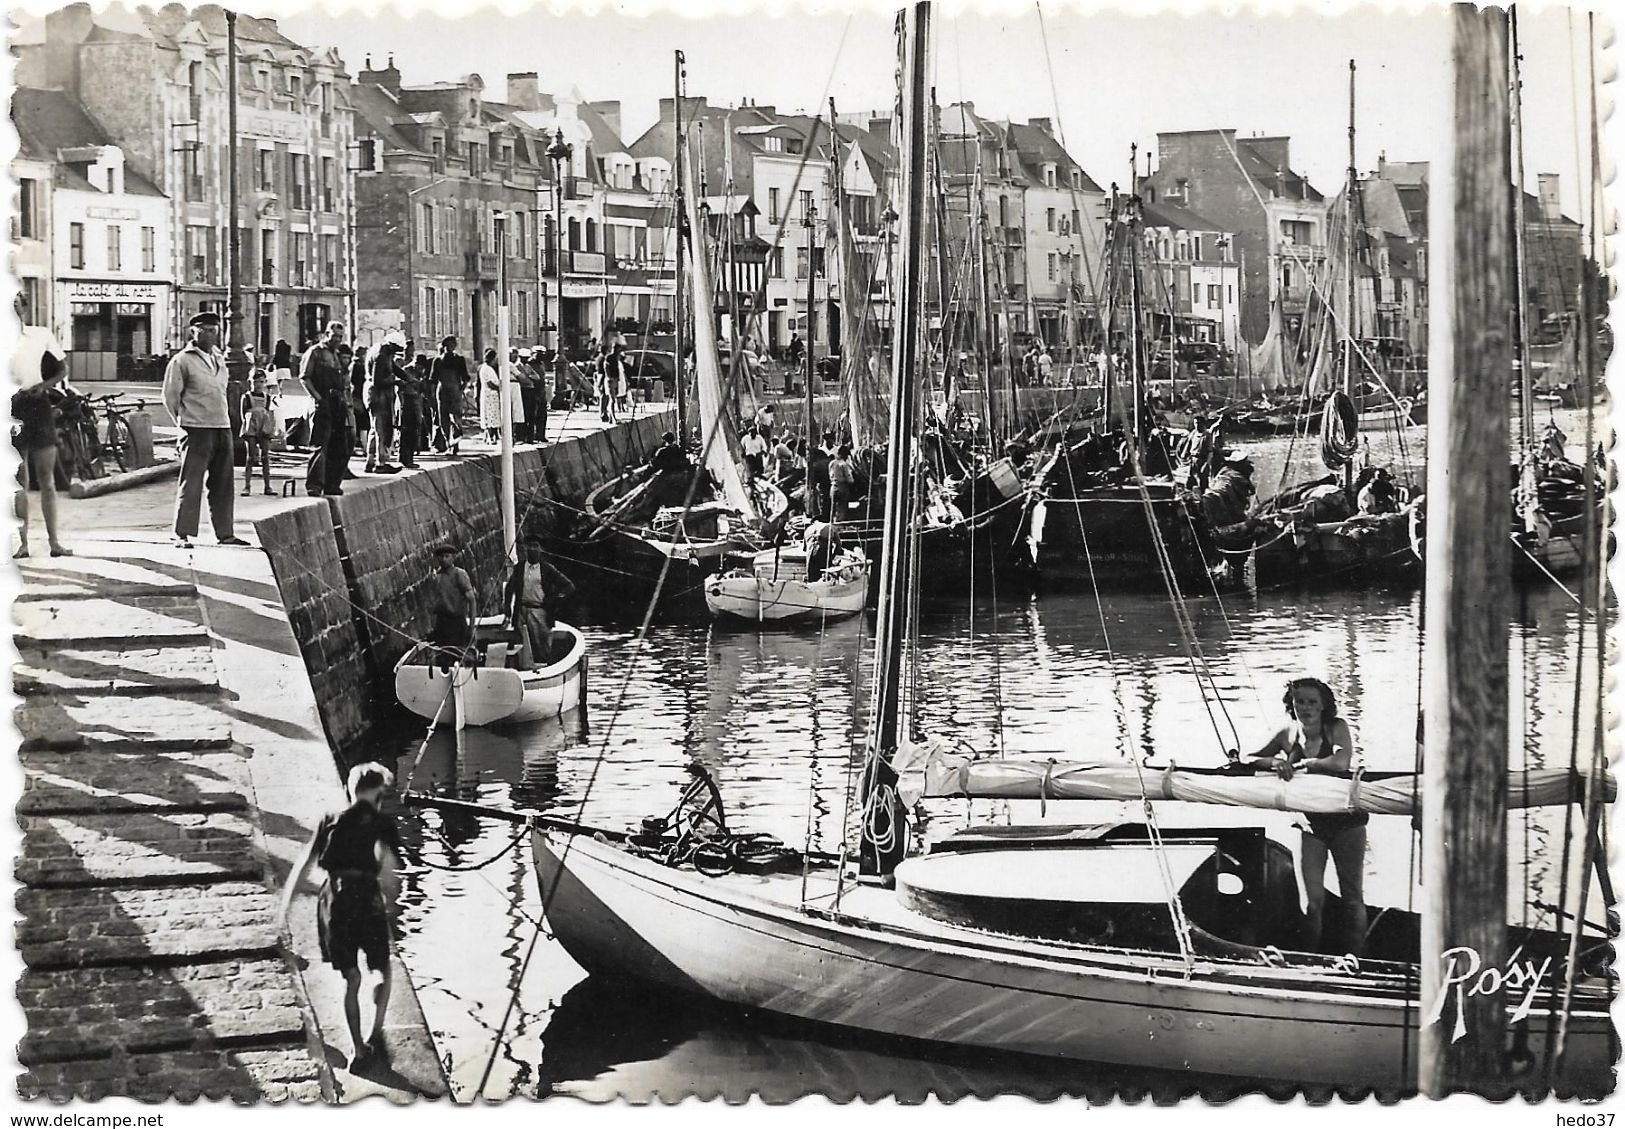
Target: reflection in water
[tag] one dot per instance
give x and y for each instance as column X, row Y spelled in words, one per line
column 779, row 718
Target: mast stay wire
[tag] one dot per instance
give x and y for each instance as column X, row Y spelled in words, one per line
column 639, row 648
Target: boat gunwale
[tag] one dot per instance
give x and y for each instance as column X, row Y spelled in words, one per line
column 1233, row 978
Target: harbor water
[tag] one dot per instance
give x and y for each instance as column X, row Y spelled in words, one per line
column 778, row 718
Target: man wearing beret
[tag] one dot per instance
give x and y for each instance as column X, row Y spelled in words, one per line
column 195, row 394
column 322, row 372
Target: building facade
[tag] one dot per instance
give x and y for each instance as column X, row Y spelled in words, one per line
column 448, row 219
column 31, row 259
column 1277, row 219
column 155, row 82
column 104, row 288
column 1197, row 279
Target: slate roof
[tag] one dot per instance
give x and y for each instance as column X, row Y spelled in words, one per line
column 1177, row 219
column 49, row 121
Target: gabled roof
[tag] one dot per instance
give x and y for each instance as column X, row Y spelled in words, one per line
column 167, row 22
column 1037, row 147
column 1263, row 173
column 49, row 121
column 377, row 109
column 1177, row 219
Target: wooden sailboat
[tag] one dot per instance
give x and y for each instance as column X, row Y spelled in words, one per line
column 1044, row 940
column 1113, row 512
column 1318, row 531
column 666, row 530
column 486, row 686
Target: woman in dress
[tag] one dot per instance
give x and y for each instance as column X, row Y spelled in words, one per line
column 491, row 398
column 1316, row 740
column 359, row 849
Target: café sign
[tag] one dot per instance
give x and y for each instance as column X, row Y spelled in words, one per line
column 272, row 125
column 112, row 292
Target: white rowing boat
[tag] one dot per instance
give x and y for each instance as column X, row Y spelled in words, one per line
column 774, row 588
column 490, row 690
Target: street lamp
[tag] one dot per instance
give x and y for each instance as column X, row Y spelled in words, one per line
column 559, row 153
column 888, row 220
column 809, row 219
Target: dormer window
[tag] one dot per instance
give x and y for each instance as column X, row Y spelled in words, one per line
column 773, row 144
column 792, row 145
column 1049, row 176
column 1077, row 180
column 295, row 87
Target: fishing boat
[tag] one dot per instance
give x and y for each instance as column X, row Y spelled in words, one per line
column 1331, row 529
column 660, row 532
column 1114, row 943
column 486, row 684
column 1113, row 512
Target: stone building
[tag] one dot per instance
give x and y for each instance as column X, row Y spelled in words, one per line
column 106, row 234
column 439, row 164
column 1044, row 228
column 154, row 81
column 1246, row 185
column 1196, row 277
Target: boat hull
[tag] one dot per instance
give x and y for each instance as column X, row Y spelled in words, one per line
column 618, row 914
column 492, row 695
column 775, row 590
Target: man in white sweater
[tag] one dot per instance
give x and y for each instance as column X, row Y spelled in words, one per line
column 195, row 394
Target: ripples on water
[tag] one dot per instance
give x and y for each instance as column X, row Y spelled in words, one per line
column 779, row 719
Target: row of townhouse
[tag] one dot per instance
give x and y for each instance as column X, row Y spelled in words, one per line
column 124, row 218
column 422, row 207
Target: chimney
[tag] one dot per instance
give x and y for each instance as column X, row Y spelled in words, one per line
column 765, row 111
column 65, row 31
column 692, row 106
column 1042, row 123
column 1551, row 200
column 523, row 91
column 610, row 111
column 389, row 78
column 880, row 127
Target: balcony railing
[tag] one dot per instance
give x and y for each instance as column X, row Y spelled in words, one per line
column 480, row 264
column 578, row 188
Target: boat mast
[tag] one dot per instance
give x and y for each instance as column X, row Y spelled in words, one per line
column 1136, row 328
column 510, row 521
column 939, row 213
column 1109, row 310
column 978, row 232
column 1526, row 377
column 1351, row 197
column 679, row 216
column 892, row 617
column 1468, row 569
column 729, row 273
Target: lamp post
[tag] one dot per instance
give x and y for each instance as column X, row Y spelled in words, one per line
column 236, row 356
column 559, row 153
column 888, row 220
column 809, row 219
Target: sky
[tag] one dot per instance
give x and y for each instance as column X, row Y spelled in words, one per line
column 1109, row 78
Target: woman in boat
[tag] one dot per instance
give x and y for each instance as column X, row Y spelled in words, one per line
column 1318, row 741
column 360, row 850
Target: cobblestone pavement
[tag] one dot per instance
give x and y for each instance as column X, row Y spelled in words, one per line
column 152, row 960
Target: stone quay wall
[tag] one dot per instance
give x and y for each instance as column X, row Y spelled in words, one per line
column 351, row 569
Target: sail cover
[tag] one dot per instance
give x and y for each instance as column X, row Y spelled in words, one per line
column 718, row 437
column 932, row 771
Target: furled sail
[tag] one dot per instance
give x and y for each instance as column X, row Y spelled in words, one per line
column 718, row 435
column 933, row 771
column 861, row 372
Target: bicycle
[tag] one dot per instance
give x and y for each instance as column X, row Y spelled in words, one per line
column 119, row 442
column 78, row 446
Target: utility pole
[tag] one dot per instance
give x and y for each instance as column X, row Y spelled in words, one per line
column 559, row 153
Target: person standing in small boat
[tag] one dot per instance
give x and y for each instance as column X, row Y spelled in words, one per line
column 452, row 601
column 360, row 850
column 534, row 588
column 1318, row 741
